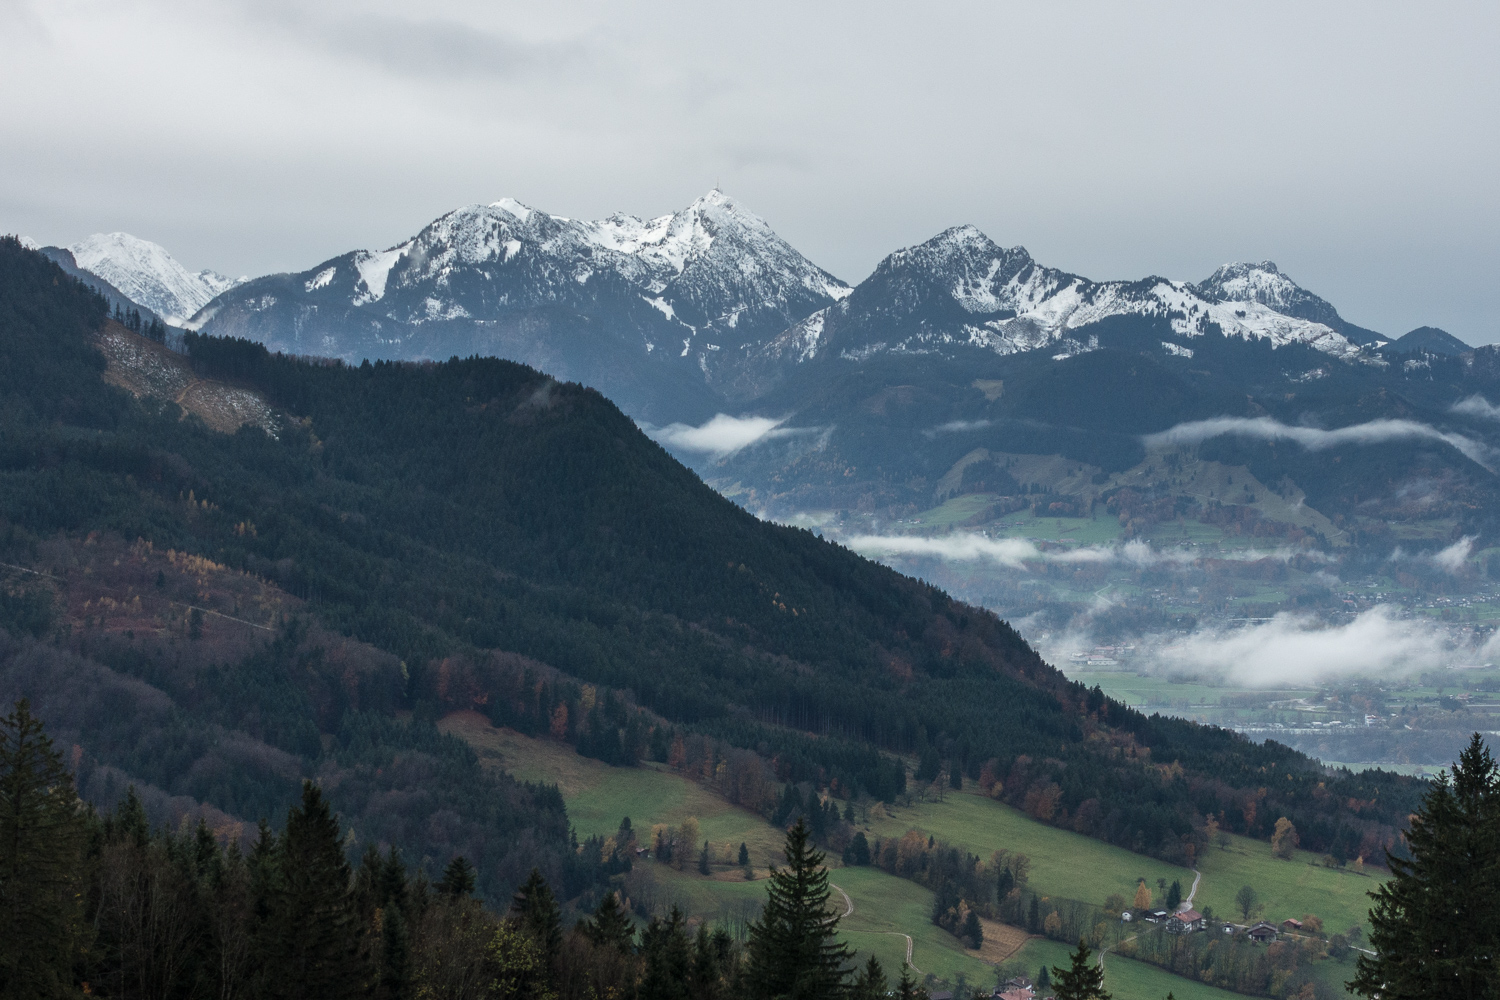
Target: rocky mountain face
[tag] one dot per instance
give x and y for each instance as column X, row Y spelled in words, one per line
column 960, row 292
column 649, row 311
column 148, row 275
column 708, row 310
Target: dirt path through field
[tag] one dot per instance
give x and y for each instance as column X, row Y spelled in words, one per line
column 849, row 912
column 1187, row 904
column 908, row 952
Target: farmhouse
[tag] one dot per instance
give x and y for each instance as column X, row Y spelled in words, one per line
column 1262, row 932
column 1290, row 924
column 1185, row 922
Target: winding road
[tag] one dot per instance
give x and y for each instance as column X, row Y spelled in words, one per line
column 908, row 952
column 1187, row 904
column 849, row 912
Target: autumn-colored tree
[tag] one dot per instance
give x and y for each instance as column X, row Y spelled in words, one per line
column 1142, row 896
column 677, row 756
column 1284, row 840
column 558, row 726
column 517, row 964
column 1211, row 829
column 684, row 841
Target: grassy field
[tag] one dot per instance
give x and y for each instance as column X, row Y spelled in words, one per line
column 1063, row 863
column 885, row 907
column 1289, row 888
column 1124, row 978
column 599, row 796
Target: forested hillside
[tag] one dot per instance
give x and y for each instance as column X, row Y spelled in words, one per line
column 517, row 546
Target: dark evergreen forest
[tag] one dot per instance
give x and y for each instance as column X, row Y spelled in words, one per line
column 452, row 514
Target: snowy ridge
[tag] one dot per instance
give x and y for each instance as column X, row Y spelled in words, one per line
column 713, row 275
column 149, row 276
column 962, row 289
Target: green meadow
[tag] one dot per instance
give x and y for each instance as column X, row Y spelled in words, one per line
column 886, row 908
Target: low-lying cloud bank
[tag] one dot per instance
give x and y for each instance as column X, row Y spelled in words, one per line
column 722, row 435
column 956, row 427
column 1476, row 406
column 1315, row 439
column 1295, row 650
column 1015, row 553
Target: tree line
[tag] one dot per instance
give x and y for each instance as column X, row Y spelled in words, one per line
column 106, row 905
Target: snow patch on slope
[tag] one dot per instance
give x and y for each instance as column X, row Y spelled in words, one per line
column 146, row 274
column 374, row 271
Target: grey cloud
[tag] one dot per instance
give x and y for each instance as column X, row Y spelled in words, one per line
column 1476, row 406
column 957, row 427
column 1294, row 649
column 1316, row 439
column 723, row 435
column 433, row 48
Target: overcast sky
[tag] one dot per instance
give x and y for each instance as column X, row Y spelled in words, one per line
column 1355, row 145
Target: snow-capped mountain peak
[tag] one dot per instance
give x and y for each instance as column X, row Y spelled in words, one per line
column 148, row 275
column 1268, row 285
column 961, row 290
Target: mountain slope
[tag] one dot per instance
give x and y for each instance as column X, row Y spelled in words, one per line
column 961, row 292
column 646, row 310
column 452, row 512
column 1429, row 340
column 1264, row 283
column 148, row 275
column 117, row 299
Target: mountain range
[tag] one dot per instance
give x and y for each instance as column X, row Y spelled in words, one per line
column 793, row 391
column 474, row 536
column 682, row 315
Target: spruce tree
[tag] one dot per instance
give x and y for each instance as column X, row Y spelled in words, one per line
column 1082, row 980
column 41, row 843
column 312, row 920
column 1434, row 925
column 458, row 878
column 610, row 926
column 794, row 950
column 540, row 916
column 668, row 959
column 871, row 983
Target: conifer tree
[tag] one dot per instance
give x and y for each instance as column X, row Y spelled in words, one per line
column 703, row 868
column 1082, row 980
column 537, row 909
column 907, row 988
column 458, row 878
column 312, row 921
column 871, row 983
column 41, row 842
column 668, row 958
column 794, row 949
column 706, row 977
column 609, row 925
column 1434, row 927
